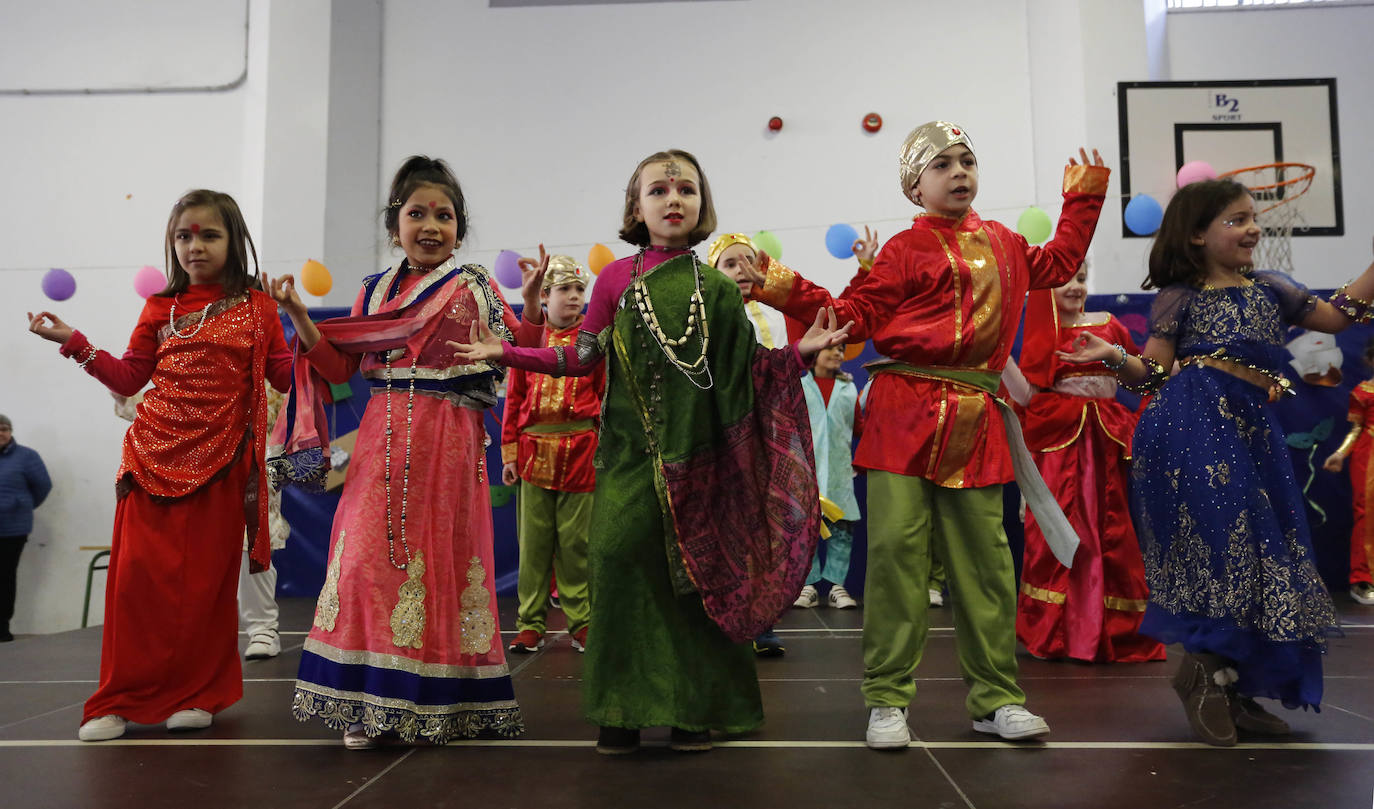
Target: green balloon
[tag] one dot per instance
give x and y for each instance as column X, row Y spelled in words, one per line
column 768, row 243
column 1034, row 224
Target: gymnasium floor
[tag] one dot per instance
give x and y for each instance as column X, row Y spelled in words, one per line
column 1119, row 741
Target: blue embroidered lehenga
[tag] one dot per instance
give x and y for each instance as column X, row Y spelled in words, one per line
column 1220, row 517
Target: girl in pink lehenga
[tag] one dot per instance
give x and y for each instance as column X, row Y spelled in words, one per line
column 405, row 639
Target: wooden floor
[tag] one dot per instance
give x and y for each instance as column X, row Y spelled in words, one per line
column 1119, row 740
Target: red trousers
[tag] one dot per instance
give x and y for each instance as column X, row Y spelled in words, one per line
column 171, row 604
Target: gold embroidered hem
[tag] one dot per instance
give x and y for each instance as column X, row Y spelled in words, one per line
column 439, row 724
column 408, row 665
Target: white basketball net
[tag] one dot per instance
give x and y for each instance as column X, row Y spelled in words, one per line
column 1278, row 189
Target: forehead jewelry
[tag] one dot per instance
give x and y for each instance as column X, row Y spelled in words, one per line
column 672, row 169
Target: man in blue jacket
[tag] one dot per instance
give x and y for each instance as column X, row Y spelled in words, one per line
column 24, row 484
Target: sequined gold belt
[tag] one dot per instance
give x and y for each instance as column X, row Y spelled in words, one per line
column 1274, row 384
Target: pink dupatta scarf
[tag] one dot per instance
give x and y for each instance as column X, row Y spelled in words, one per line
column 421, row 321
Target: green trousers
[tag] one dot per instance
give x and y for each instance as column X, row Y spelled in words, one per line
column 908, row 519
column 553, row 536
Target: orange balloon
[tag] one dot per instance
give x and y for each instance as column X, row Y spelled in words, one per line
column 599, row 257
column 315, row 278
column 853, row 350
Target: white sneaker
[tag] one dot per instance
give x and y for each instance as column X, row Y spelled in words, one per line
column 190, row 719
column 1012, row 722
column 1363, row 593
column 937, row 598
column 356, row 738
column 808, row 597
column 887, row 729
column 840, row 599
column 102, row 729
column 263, row 644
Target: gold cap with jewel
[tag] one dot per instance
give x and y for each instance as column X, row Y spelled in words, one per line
column 922, row 145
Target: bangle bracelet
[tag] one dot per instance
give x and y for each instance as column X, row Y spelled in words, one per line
column 1119, row 364
column 90, row 355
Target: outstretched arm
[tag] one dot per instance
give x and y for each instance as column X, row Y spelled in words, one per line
column 1351, row 303
column 1133, row 371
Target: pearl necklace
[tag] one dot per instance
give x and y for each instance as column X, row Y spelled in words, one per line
column 405, row 473
column 697, row 323
column 172, row 321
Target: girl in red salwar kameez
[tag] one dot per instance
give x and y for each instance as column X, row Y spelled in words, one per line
column 190, row 480
column 1080, row 437
column 405, row 639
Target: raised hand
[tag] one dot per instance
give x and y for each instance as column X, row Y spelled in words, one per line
column 1088, row 347
column 54, row 330
column 532, row 279
column 283, row 291
column 866, row 249
column 482, row 345
column 749, row 270
column 823, row 334
column 1083, row 154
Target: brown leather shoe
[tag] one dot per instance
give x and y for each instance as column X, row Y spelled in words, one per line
column 1250, row 716
column 1204, row 701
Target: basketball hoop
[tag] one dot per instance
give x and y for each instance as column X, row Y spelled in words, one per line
column 1276, row 188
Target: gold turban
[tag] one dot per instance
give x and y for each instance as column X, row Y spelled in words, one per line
column 726, row 240
column 922, row 145
column 565, row 270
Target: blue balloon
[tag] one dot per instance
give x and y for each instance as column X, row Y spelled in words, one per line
column 839, row 240
column 1143, row 215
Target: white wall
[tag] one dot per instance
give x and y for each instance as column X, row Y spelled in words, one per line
column 544, row 112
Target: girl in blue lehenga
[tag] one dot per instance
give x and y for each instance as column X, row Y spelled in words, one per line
column 1228, row 556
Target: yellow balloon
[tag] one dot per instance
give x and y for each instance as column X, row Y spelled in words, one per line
column 599, row 257
column 315, row 278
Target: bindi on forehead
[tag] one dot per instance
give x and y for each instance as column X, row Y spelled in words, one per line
column 195, row 227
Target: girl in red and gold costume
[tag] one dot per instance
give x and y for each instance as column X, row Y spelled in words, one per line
column 191, row 477
column 1356, row 446
column 405, row 639
column 1080, row 437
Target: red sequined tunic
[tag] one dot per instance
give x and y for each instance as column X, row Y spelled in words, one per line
column 189, row 480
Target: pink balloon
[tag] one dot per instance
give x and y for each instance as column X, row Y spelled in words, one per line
column 1195, row 171
column 149, row 281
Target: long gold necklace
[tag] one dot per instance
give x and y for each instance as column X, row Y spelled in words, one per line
column 697, row 324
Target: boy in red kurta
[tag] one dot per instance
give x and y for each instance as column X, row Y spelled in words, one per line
column 548, row 443
column 943, row 301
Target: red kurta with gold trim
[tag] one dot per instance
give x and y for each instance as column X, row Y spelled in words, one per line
column 556, row 460
column 946, row 294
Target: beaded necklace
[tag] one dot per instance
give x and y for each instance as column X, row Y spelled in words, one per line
column 172, row 321
column 405, row 471
column 696, row 323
